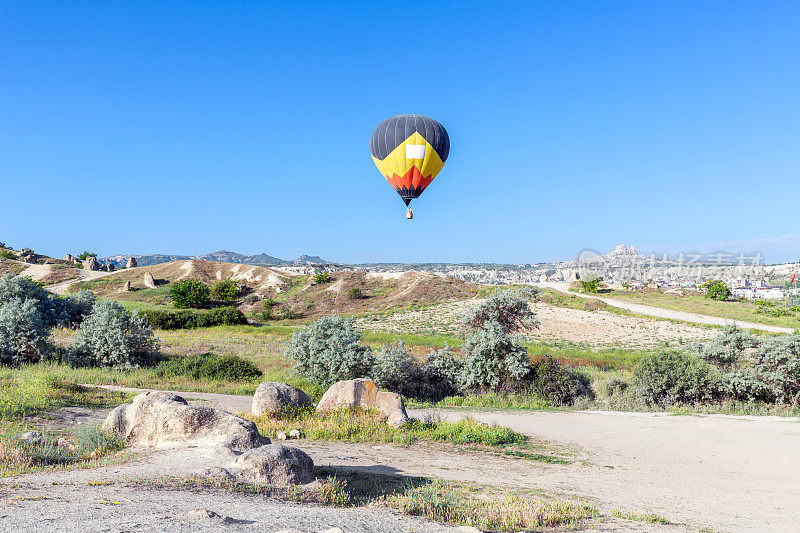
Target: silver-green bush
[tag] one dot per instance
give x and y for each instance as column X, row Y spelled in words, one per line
column 509, row 308
column 23, row 334
column 329, row 350
column 493, row 359
column 112, row 336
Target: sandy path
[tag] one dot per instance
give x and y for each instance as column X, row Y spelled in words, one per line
column 668, row 313
column 732, row 473
column 83, row 275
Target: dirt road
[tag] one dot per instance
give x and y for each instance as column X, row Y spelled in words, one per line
column 668, row 313
column 729, row 473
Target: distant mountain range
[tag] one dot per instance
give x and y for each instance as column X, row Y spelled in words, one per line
column 222, row 256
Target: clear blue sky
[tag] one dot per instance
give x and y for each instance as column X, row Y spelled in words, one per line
column 186, row 127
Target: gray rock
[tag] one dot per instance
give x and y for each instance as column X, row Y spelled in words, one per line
column 203, row 513
column 277, row 464
column 148, row 281
column 104, row 268
column 159, row 418
column 90, row 263
column 110, row 267
column 280, row 435
column 126, row 287
column 31, row 437
column 276, row 397
column 294, row 434
column 131, row 263
column 364, row 394
column 70, row 259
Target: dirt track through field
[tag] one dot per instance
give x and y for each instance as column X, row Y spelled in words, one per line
column 668, row 313
column 729, row 473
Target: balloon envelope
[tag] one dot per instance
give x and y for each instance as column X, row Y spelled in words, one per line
column 409, row 150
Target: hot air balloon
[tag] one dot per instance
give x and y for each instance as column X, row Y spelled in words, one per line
column 409, row 150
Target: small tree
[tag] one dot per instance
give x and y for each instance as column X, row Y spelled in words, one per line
column 329, row 350
column 590, row 285
column 510, row 309
column 322, row 277
column 716, row 289
column 190, row 293
column 86, row 254
column 493, row 359
column 112, row 336
column 225, row 290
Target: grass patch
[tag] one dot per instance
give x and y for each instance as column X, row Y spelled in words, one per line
column 434, row 500
column 649, row 517
column 85, row 446
column 443, row 502
column 351, row 425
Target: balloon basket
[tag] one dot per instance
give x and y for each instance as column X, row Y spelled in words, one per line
column 409, row 214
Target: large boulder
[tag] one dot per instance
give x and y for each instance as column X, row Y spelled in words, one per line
column 275, row 464
column 363, row 393
column 162, row 418
column 149, row 282
column 111, row 267
column 131, row 263
column 276, row 397
column 90, row 263
column 126, row 287
column 70, row 259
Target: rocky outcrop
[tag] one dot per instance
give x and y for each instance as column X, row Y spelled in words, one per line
column 363, row 393
column 110, row 267
column 90, row 263
column 276, row 397
column 162, row 418
column 70, row 259
column 148, row 281
column 126, row 287
column 131, row 263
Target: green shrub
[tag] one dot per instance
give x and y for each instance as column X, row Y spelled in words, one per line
column 777, row 366
column 77, row 306
column 322, row 277
column 669, row 377
column 225, row 290
column 86, row 254
column 355, row 293
column 493, row 360
column 329, row 350
column 209, row 366
column 716, row 289
column 555, row 383
column 590, row 285
column 112, row 336
column 287, row 313
column 510, row 309
column 189, row 293
column 726, row 349
column 23, row 334
column 396, row 370
column 440, row 375
column 8, row 254
column 190, row 319
column 615, row 387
